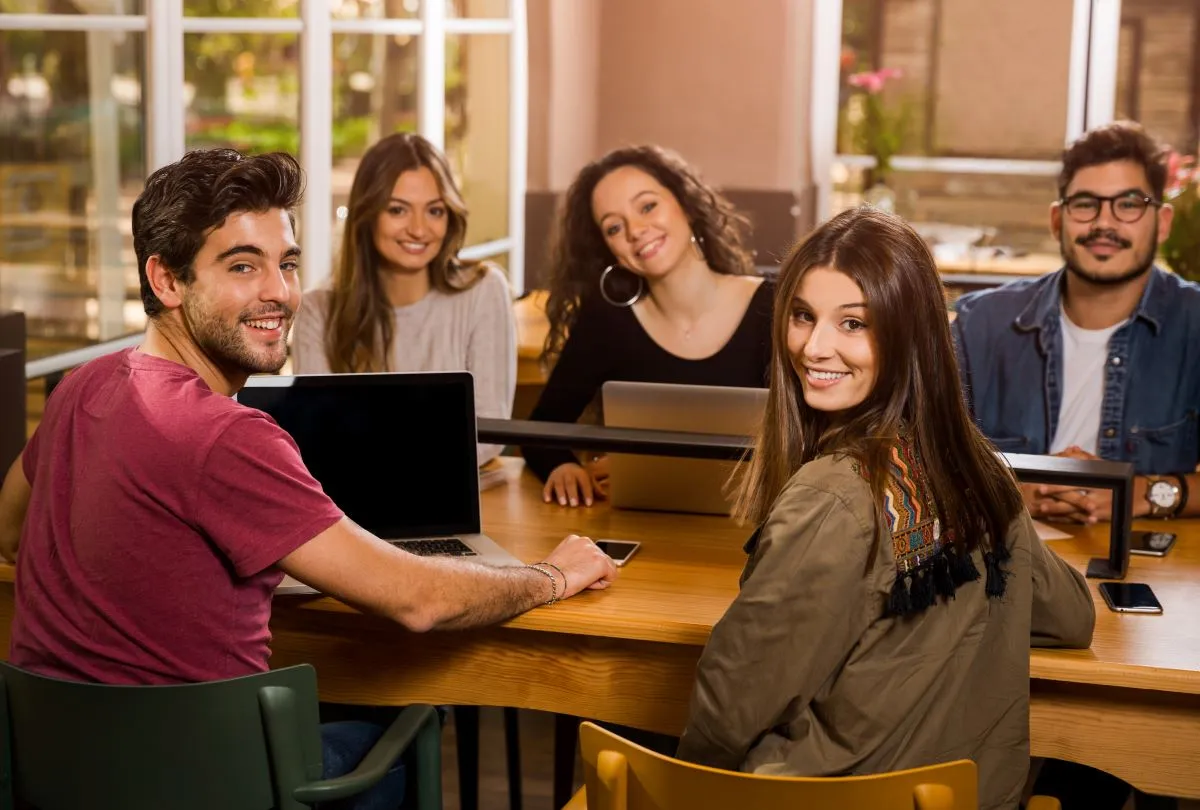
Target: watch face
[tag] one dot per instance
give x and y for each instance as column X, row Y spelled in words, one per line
column 1163, row 494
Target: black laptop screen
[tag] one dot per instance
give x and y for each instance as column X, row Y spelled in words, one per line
column 396, row 452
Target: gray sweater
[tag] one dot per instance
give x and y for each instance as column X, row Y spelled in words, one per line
column 473, row 331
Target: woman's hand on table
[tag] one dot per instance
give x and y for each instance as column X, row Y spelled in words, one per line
column 571, row 484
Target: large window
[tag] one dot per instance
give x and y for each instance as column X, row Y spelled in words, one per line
column 95, row 94
column 987, row 95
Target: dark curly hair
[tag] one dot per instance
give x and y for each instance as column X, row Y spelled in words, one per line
column 1119, row 140
column 580, row 253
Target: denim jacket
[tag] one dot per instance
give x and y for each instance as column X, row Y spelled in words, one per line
column 1010, row 358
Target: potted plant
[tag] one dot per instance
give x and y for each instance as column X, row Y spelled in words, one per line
column 1181, row 250
column 877, row 131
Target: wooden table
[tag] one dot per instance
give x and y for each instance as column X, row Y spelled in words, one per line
column 1129, row 705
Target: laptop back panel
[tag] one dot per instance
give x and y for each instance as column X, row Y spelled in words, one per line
column 395, row 451
column 678, row 484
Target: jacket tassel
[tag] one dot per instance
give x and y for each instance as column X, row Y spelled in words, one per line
column 996, row 575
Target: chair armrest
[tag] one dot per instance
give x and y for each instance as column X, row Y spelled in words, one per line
column 1043, row 803
column 376, row 763
column 578, row 801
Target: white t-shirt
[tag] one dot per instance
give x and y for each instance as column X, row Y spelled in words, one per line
column 1084, row 353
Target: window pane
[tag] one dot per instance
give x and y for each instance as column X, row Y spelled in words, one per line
column 72, row 7
column 1007, row 213
column 374, row 94
column 962, row 91
column 242, row 91
column 1157, row 80
column 477, row 106
column 71, row 164
column 493, row 9
column 241, row 8
column 373, row 9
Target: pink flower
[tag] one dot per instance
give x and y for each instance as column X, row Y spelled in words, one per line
column 873, row 81
column 1181, row 171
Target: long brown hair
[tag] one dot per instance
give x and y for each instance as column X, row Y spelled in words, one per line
column 359, row 328
column 916, row 388
column 580, row 253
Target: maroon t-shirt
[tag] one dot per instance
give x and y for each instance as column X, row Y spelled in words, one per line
column 159, row 509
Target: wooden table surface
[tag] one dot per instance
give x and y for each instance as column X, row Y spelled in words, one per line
column 628, row 654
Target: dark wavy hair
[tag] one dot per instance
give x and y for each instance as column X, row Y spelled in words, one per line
column 358, row 331
column 184, row 201
column 1119, row 140
column 917, row 386
column 580, row 253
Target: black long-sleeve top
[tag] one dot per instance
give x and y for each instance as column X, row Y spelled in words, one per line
column 608, row 343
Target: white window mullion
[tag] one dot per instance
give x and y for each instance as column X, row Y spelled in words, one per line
column 165, row 141
column 431, row 74
column 823, row 118
column 1077, row 75
column 467, row 25
column 72, row 22
column 1102, row 62
column 316, row 140
column 518, row 129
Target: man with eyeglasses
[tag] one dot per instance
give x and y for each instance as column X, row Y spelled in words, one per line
column 1100, row 359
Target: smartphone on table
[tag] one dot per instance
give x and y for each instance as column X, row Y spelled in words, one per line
column 619, row 550
column 1130, row 597
column 1153, row 544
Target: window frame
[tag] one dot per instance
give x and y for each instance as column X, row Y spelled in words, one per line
column 164, row 26
column 1091, row 97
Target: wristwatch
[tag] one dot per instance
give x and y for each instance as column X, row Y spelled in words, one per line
column 1166, row 496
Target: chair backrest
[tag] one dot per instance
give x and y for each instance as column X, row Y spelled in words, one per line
column 622, row 776
column 70, row 745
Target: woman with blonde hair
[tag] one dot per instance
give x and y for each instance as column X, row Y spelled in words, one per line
column 896, row 580
column 401, row 299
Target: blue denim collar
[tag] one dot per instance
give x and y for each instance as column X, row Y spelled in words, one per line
column 1043, row 309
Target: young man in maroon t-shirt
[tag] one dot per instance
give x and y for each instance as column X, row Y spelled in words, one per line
column 154, row 515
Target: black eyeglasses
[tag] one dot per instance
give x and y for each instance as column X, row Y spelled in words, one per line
column 1128, row 207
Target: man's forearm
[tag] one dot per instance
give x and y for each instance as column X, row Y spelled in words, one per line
column 466, row 595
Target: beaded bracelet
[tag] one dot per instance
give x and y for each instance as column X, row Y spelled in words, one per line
column 553, row 582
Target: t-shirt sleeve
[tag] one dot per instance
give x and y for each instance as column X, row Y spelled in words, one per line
column 308, row 335
column 256, row 501
column 29, row 455
column 492, row 353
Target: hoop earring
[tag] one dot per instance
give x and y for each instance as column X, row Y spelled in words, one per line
column 698, row 246
column 616, row 303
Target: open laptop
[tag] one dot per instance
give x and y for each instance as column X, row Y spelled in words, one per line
column 677, row 484
column 396, row 452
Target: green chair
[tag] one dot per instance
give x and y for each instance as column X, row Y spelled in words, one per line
column 251, row 742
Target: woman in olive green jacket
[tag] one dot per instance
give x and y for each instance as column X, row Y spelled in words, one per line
column 895, row 581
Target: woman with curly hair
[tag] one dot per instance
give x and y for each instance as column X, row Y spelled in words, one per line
column 651, row 284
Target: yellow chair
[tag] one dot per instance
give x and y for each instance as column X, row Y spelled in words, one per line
column 619, row 775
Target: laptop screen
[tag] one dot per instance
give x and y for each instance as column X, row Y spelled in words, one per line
column 396, row 452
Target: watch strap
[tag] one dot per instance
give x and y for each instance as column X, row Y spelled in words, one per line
column 1183, row 496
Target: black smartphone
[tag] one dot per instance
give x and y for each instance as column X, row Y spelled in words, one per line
column 1130, row 597
column 619, row 550
column 1154, row 544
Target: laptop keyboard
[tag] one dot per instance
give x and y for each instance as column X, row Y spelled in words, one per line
column 436, row 547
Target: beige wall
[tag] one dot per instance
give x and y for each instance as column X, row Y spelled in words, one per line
column 724, row 83
column 1002, row 77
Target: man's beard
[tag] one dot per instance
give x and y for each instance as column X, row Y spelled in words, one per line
column 1140, row 267
column 227, row 345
